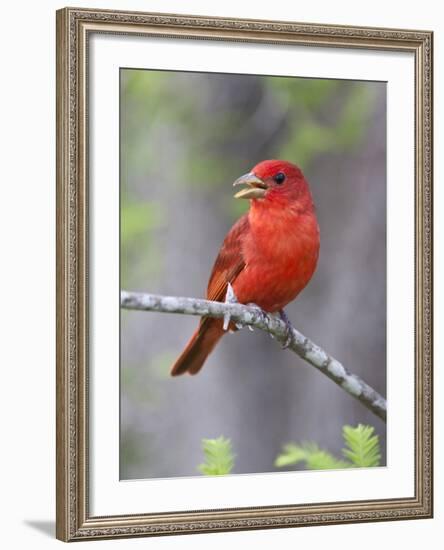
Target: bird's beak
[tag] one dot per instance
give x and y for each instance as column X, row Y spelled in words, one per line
column 255, row 189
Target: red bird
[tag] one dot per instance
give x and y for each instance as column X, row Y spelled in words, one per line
column 268, row 256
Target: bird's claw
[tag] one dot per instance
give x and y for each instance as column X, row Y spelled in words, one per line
column 287, row 341
column 255, row 306
column 289, row 330
column 230, row 298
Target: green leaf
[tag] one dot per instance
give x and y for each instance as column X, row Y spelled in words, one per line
column 362, row 451
column 137, row 218
column 362, row 446
column 219, row 457
column 314, row 457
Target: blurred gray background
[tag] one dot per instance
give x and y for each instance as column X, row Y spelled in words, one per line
column 185, row 137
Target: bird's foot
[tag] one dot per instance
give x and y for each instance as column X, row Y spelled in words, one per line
column 289, row 329
column 260, row 311
column 230, row 298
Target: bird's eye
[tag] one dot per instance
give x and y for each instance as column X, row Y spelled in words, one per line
column 279, row 178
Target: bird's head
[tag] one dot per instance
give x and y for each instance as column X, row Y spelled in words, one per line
column 274, row 181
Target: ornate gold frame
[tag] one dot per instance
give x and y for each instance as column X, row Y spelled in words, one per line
column 73, row 28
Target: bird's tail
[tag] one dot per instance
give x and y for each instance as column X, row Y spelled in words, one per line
column 202, row 343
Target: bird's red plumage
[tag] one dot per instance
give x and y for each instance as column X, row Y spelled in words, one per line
column 268, row 256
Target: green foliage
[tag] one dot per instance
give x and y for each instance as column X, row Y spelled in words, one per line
column 362, row 451
column 362, row 446
column 139, row 222
column 309, row 92
column 137, row 218
column 317, row 132
column 314, row 457
column 219, row 457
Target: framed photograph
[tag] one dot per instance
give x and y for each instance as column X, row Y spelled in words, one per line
column 244, row 274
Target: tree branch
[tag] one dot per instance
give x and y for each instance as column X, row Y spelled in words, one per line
column 273, row 325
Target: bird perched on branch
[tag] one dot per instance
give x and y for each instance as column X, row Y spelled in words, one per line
column 267, row 257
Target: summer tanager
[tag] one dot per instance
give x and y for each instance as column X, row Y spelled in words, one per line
column 268, row 256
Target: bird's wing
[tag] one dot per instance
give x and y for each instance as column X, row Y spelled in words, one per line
column 230, row 261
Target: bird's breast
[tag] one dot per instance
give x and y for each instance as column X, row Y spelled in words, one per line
column 280, row 257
